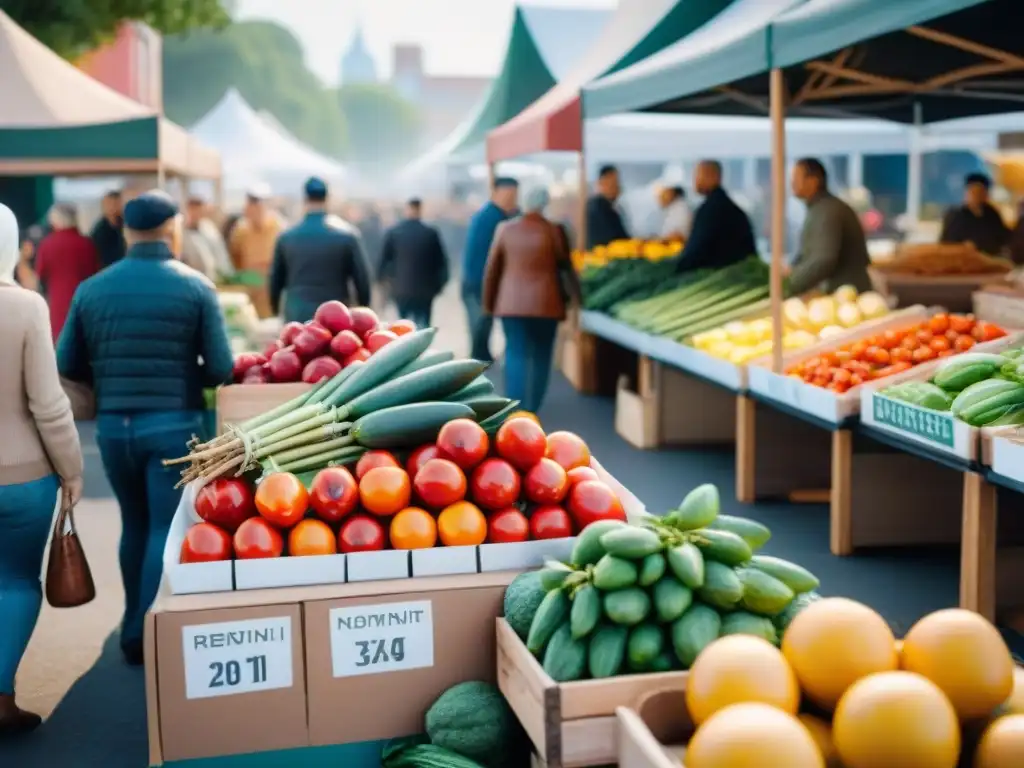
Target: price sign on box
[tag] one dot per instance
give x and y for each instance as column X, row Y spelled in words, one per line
column 236, row 657
column 373, row 639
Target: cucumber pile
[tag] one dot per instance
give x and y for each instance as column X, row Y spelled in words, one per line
column 650, row 597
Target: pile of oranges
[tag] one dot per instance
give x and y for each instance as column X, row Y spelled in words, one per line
column 894, row 351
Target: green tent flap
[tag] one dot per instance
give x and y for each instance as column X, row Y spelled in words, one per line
column 126, row 140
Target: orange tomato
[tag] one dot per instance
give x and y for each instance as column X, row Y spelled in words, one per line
column 961, row 323
column 312, row 537
column 856, row 379
column 939, row 323
column 402, row 327
column 940, row 344
column 900, row 354
column 858, row 348
column 385, row 491
column 924, row 335
column 462, row 524
column 413, row 528
column 987, row 332
column 878, row 355
column 947, row 353
column 842, row 376
column 894, row 369
column 963, row 343
column 375, row 458
column 923, row 354
column 911, row 342
column 282, row 499
column 891, row 339
column 568, row 449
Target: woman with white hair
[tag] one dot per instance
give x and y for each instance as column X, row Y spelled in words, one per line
column 528, row 283
column 39, row 455
column 66, row 258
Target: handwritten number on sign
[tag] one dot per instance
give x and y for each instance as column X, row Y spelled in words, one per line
column 229, row 673
column 380, row 651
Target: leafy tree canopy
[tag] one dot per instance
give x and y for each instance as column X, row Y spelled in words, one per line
column 73, row 27
column 383, row 127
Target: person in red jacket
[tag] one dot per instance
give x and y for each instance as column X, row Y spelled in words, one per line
column 65, row 259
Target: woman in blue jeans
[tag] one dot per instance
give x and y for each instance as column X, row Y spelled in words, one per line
column 528, row 283
column 148, row 335
column 39, row 456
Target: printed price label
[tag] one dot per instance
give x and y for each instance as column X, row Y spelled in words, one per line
column 372, row 639
column 237, row 657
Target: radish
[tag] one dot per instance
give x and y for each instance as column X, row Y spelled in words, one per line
column 289, row 332
column 334, row 316
column 285, row 365
column 364, row 321
column 345, row 344
column 245, row 361
column 320, row 368
column 312, row 341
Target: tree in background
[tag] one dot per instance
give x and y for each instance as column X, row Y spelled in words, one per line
column 264, row 62
column 383, row 127
column 74, row 27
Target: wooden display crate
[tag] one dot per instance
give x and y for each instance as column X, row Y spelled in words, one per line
column 569, row 724
column 238, row 402
column 650, row 735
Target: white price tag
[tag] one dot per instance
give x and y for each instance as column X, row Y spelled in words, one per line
column 372, row 639
column 235, row 657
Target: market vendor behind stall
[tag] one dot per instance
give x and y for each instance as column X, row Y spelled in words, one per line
column 721, row 234
column 976, row 221
column 678, row 219
column 604, row 220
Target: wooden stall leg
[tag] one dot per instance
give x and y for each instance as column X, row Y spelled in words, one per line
column 792, row 458
column 978, row 547
column 840, row 501
column 746, row 448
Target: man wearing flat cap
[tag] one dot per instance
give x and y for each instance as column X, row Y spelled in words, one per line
column 147, row 335
column 319, row 259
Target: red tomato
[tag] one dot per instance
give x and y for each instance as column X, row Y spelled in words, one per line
column 361, row 355
column 521, row 442
column 379, row 339
column 312, row 537
column 419, row 457
column 507, row 525
column 372, row 459
column 361, row 533
column 579, row 474
column 464, row 442
column 333, row 494
column 225, row 502
column 256, row 539
column 282, row 499
column 205, row 543
column 568, row 449
column 495, row 484
column 440, row 483
column 546, row 483
column 550, row 522
column 592, row 500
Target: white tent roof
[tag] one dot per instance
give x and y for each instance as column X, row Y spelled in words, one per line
column 252, row 150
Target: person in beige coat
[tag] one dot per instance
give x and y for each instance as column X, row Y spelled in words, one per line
column 40, row 455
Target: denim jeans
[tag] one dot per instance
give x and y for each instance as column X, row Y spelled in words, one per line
column 417, row 310
column 529, row 347
column 132, row 447
column 26, row 512
column 480, row 325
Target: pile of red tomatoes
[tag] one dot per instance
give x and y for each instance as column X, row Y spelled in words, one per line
column 462, row 490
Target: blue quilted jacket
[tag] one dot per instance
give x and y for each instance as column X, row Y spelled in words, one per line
column 147, row 334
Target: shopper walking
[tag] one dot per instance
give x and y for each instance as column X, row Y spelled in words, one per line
column 66, row 258
column 147, row 334
column 39, row 456
column 413, row 265
column 528, row 283
column 108, row 232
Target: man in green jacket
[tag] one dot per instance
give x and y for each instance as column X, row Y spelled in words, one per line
column 833, row 249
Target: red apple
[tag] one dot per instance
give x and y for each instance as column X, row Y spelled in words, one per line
column 361, row 355
column 285, row 365
column 313, row 341
column 364, row 320
column 320, row 368
column 377, row 339
column 345, row 344
column 289, row 332
column 334, row 316
column 245, row 361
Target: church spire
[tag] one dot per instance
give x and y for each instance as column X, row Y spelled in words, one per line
column 357, row 64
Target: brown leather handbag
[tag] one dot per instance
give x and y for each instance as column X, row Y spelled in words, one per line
column 69, row 581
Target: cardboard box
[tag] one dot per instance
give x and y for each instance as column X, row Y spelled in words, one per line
column 238, row 402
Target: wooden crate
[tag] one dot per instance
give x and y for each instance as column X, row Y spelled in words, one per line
column 651, row 735
column 238, row 402
column 570, row 724
column 578, row 360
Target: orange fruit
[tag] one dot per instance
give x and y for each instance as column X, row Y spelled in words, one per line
column 312, row 537
column 462, row 524
column 568, row 449
column 385, row 491
column 1002, row 744
column 372, row 459
column 752, row 735
column 402, row 327
column 282, row 499
column 413, row 528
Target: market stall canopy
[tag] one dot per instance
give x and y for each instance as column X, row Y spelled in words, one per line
column 56, row 119
column 909, row 61
column 637, row 30
column 252, row 150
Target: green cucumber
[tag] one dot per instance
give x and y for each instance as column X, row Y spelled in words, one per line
column 552, row 611
column 671, row 599
column 652, row 568
column 432, row 383
column 383, row 365
column 585, row 611
column 588, row 550
column 687, row 563
column 743, row 623
column 645, row 644
column 627, row 606
column 406, row 425
column 763, row 594
column 722, row 546
column 607, row 650
column 554, row 574
column 426, row 360
column 478, row 387
column 492, row 423
column 722, row 587
column 698, row 509
column 981, row 394
column 631, row 543
column 993, row 406
column 754, row 533
column 615, row 573
column 955, row 374
column 794, row 576
column 694, row 631
column 486, row 406
column 565, row 658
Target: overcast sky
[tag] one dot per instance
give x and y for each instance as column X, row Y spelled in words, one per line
column 459, row 37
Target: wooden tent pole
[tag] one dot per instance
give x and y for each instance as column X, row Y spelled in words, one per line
column 583, row 192
column 778, row 215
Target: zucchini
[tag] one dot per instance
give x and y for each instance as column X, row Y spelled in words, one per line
column 585, row 612
column 607, row 650
column 492, row 423
column 383, row 365
column 478, row 387
column 427, row 359
column 981, row 394
column 486, row 406
column 405, row 425
column 427, row 384
column 553, row 610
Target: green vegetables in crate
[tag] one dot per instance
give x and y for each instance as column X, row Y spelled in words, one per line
column 920, row 393
column 649, row 596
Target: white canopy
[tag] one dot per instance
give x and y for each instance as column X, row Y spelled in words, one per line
column 252, row 150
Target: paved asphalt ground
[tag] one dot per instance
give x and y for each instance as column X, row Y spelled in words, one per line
column 96, row 705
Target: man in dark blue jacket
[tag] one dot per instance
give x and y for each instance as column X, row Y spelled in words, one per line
column 414, row 265
column 319, row 259
column 604, row 221
column 148, row 336
column 721, row 234
column 502, row 205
